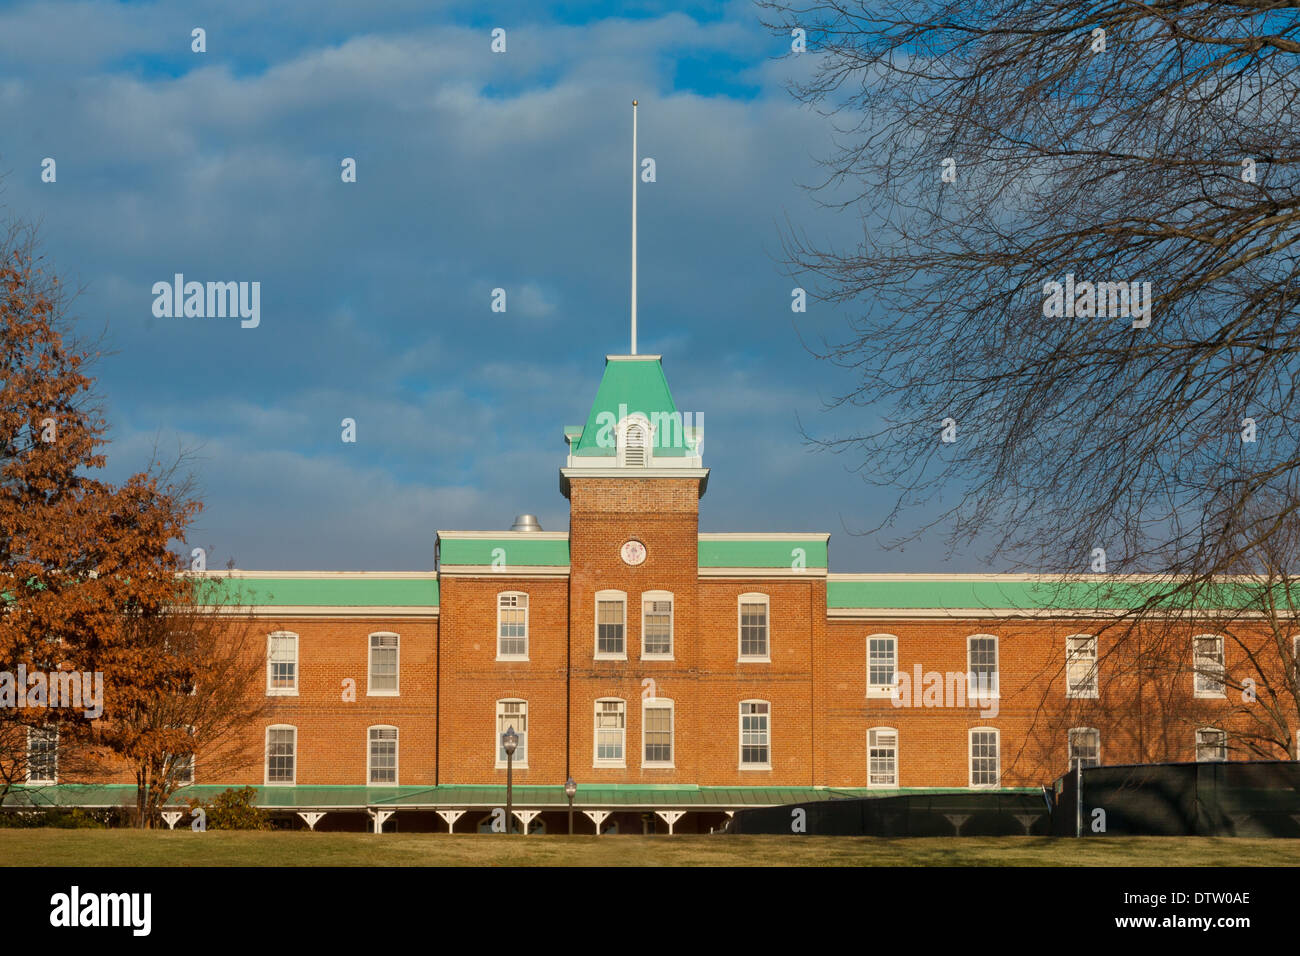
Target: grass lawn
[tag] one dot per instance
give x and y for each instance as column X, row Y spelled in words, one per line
column 54, row 847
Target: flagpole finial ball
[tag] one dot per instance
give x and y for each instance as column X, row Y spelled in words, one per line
column 634, row 102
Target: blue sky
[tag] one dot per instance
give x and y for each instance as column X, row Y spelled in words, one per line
column 475, row 171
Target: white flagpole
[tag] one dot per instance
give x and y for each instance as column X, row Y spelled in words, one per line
column 635, row 160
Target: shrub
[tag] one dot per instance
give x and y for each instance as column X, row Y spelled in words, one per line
column 233, row 810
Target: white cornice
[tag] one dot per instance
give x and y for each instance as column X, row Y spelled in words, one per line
column 511, row 571
column 493, row 535
column 312, row 610
column 760, row 536
column 819, row 573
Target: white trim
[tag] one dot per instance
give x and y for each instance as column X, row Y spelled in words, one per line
column 498, row 730
column 596, row 761
column 897, row 748
column 881, row 690
column 663, row 468
column 996, row 692
column 397, row 756
column 1091, row 692
column 608, row 595
column 633, row 358
column 639, row 420
column 370, row 666
column 753, row 597
column 659, row 703
column 297, row 662
column 672, row 624
column 970, row 757
column 526, row 608
column 740, row 734
column 266, row 757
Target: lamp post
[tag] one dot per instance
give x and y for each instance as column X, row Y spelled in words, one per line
column 570, row 789
column 509, row 741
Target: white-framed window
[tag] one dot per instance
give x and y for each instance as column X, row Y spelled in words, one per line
column 882, row 757
column 635, row 442
column 42, row 755
column 755, row 735
column 1295, row 659
column 281, row 754
column 381, row 758
column 657, row 625
column 1083, row 745
column 981, row 667
column 384, row 655
column 656, row 732
column 610, row 733
column 512, row 713
column 882, row 665
column 282, row 664
column 1081, row 665
column 1207, row 651
column 512, row 626
column 611, row 625
column 1211, row 745
column 182, row 766
column 985, row 757
column 752, row 625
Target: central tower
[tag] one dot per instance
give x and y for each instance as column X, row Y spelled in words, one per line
column 634, row 478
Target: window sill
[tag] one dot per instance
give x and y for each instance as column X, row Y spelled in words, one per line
column 383, row 693
column 657, row 657
column 1206, row 695
column 882, row 786
column 881, row 693
column 753, row 660
column 755, row 766
column 1080, row 695
column 279, row 783
column 281, row 693
column 517, row 766
column 512, row 657
column 609, row 765
column 658, row 766
column 609, row 657
column 386, row 783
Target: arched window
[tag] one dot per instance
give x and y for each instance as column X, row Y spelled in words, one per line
column 882, row 757
column 381, row 755
column 610, row 733
column 985, row 757
column 512, row 713
column 281, row 755
column 752, row 619
column 282, row 664
column 755, row 735
column 512, row 626
column 382, row 680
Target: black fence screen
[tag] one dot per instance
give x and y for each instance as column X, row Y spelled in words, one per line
column 905, row 815
column 1251, row 799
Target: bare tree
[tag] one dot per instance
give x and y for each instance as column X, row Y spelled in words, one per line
column 995, row 146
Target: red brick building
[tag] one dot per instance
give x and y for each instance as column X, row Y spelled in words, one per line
column 675, row 676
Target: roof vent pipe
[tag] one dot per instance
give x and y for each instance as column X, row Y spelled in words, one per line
column 525, row 523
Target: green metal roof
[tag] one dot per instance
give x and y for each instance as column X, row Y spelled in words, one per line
column 518, row 551
column 324, row 591
column 457, row 795
column 758, row 553
column 1101, row 593
column 630, row 385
